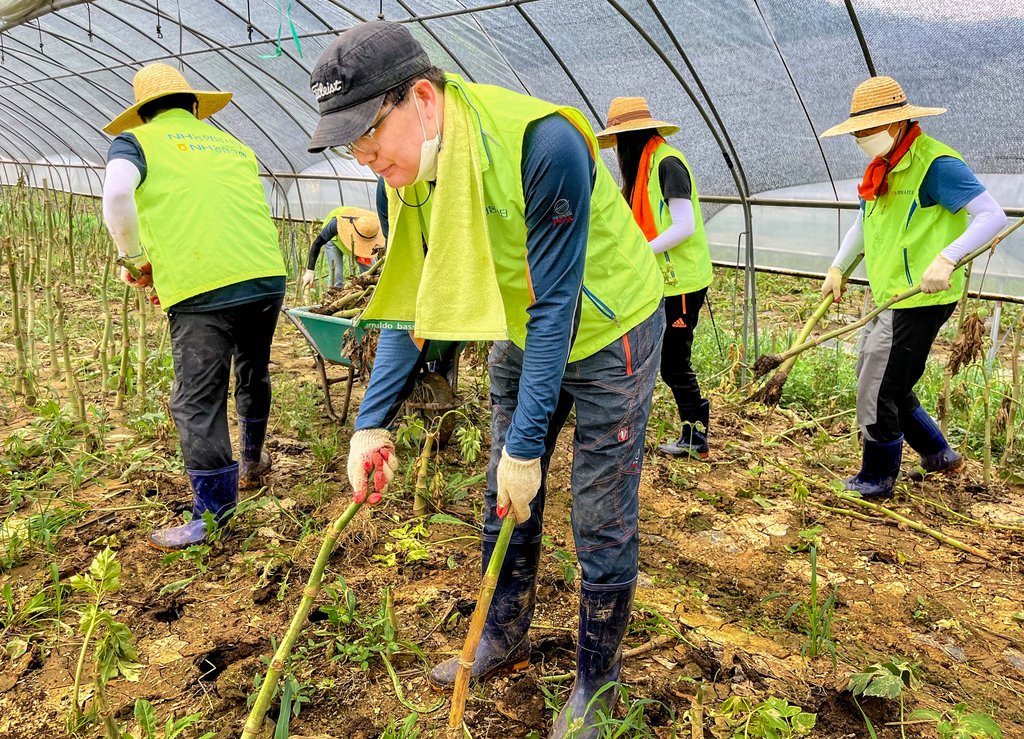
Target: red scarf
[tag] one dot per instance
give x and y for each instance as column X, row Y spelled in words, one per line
column 876, row 176
column 641, row 204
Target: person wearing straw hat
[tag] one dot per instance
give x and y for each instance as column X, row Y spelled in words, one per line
column 912, row 228
column 347, row 230
column 183, row 200
column 658, row 184
column 504, row 224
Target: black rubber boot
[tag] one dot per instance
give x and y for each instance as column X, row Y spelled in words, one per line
column 255, row 460
column 215, row 491
column 693, row 440
column 604, row 615
column 879, row 467
column 505, row 643
column 925, row 437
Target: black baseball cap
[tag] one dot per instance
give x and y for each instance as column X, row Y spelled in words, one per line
column 352, row 75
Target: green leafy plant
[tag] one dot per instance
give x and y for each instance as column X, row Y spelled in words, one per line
column 818, row 614
column 114, row 653
column 962, row 723
column 773, row 718
column 890, row 680
column 409, row 544
column 808, row 538
column 146, row 717
column 564, row 561
column 405, row 729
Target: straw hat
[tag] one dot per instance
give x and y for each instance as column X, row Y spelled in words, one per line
column 155, row 81
column 359, row 230
column 876, row 102
column 630, row 114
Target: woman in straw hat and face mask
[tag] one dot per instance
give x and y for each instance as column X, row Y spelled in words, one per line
column 347, row 230
column 912, row 228
column 659, row 186
column 186, row 198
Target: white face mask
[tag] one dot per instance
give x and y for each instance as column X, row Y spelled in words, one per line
column 428, row 151
column 877, row 144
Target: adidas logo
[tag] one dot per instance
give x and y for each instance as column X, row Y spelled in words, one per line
column 679, row 323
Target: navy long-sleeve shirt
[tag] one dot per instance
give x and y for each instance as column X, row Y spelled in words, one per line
column 558, row 177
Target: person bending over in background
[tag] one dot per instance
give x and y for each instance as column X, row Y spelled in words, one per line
column 912, row 229
column 658, row 184
column 504, row 224
column 347, row 230
column 183, row 200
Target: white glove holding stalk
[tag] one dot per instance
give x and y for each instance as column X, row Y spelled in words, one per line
column 518, row 484
column 307, row 279
column 371, row 455
column 833, row 284
column 936, row 278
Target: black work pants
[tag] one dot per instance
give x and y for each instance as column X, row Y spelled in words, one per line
column 681, row 315
column 893, row 350
column 202, row 347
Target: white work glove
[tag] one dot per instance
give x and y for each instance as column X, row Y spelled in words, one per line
column 936, row 278
column 833, row 284
column 518, row 484
column 371, row 455
column 307, row 279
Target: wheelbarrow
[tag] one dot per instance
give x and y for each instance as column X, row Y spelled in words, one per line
column 434, row 395
column 326, row 336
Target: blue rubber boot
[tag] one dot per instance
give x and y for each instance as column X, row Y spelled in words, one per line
column 215, row 491
column 255, row 460
column 693, row 440
column 505, row 642
column 604, row 614
column 925, row 437
column 879, row 467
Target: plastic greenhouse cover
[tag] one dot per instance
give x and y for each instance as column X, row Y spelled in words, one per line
column 775, row 73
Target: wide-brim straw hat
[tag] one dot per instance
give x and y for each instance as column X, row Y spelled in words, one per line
column 359, row 231
column 630, row 114
column 155, row 81
column 876, row 102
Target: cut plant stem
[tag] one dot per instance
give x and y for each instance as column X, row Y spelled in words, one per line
column 419, row 503
column 911, row 523
column 254, row 723
column 476, row 624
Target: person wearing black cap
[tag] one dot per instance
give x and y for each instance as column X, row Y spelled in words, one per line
column 504, row 224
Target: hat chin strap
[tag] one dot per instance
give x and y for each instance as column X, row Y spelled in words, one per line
column 352, row 220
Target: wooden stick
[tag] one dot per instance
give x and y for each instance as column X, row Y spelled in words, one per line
column 254, row 723
column 910, row 523
column 778, row 359
column 476, row 624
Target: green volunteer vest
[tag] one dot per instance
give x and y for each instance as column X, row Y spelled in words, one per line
column 687, row 266
column 622, row 284
column 203, row 218
column 901, row 238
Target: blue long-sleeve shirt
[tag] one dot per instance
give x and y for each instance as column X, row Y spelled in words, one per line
column 558, row 177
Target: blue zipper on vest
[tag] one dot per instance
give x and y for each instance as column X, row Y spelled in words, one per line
column 906, row 267
column 605, row 310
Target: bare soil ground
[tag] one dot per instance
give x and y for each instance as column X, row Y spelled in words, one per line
column 714, row 551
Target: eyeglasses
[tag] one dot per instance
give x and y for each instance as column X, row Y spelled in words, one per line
column 366, row 144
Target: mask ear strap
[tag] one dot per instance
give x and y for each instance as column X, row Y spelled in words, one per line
column 419, row 115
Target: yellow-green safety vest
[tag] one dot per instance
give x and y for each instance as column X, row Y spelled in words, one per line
column 901, row 238
column 203, row 216
column 687, row 266
column 622, row 285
